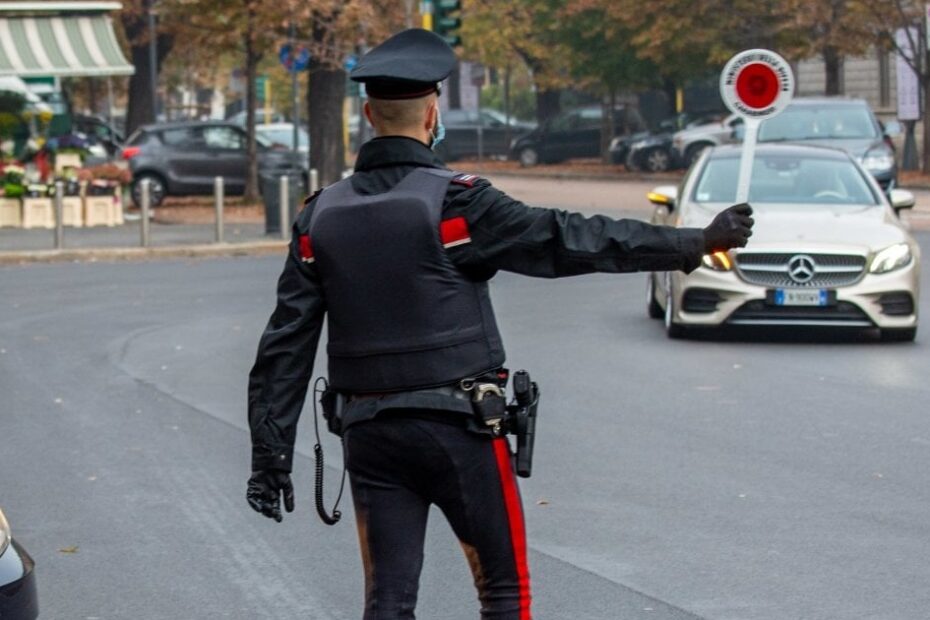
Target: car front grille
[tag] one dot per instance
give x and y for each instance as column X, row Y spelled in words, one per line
column 758, row 312
column 774, row 270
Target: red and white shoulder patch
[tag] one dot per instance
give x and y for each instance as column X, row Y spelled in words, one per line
column 468, row 180
column 306, row 249
column 454, row 232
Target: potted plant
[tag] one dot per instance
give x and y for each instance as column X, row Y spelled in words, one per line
column 12, row 189
column 103, row 196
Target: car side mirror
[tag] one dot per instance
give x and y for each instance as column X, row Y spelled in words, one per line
column 664, row 196
column 892, row 129
column 901, row 199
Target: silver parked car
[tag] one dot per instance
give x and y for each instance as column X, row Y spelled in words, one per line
column 690, row 142
column 828, row 249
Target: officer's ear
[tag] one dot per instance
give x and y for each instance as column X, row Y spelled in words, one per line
column 367, row 110
column 432, row 114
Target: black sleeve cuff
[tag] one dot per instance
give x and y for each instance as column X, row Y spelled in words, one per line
column 691, row 245
column 275, row 459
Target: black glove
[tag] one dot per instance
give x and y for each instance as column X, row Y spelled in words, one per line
column 264, row 492
column 730, row 229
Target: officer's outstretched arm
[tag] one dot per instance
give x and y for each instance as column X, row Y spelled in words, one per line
column 279, row 379
column 507, row 234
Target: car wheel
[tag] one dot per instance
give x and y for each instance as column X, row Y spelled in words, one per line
column 652, row 306
column 672, row 330
column 694, row 151
column 657, row 160
column 529, row 157
column 158, row 189
column 908, row 334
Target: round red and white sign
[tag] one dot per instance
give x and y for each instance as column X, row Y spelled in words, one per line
column 757, row 84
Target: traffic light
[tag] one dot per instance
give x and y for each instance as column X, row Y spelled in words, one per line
column 445, row 24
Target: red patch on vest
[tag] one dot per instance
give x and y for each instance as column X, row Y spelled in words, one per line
column 454, row 232
column 306, row 249
column 468, row 180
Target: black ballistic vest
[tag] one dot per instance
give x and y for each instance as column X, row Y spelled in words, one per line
column 401, row 316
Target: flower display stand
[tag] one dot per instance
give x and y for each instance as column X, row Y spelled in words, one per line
column 38, row 213
column 72, row 211
column 98, row 211
column 11, row 212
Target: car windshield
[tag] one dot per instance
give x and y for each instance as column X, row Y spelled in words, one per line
column 284, row 136
column 786, row 178
column 827, row 122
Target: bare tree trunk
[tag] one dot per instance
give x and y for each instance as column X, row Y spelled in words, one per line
column 251, row 66
column 139, row 109
column 607, row 124
column 326, row 91
column 925, row 160
column 833, row 67
column 508, row 128
column 547, row 104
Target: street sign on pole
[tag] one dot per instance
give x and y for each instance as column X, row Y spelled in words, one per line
column 757, row 85
column 908, row 86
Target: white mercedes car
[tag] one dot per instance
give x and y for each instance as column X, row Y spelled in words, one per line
column 828, row 248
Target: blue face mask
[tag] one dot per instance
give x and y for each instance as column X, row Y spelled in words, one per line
column 440, row 132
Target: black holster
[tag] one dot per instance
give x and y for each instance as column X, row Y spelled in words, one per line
column 334, row 404
column 522, row 420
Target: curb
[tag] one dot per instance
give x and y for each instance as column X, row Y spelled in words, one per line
column 256, row 248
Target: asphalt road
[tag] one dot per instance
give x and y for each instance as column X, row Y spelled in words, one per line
column 742, row 479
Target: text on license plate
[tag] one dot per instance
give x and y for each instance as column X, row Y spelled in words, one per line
column 787, row 297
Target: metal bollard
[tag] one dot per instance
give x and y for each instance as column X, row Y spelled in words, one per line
column 284, row 199
column 145, row 187
column 59, row 214
column 314, row 180
column 218, row 203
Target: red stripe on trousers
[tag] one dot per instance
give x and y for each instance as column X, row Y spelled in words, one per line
column 515, row 520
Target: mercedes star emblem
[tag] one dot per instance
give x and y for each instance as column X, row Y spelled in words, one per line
column 801, row 268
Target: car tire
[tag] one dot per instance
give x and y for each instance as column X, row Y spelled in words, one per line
column 652, row 306
column 907, row 334
column 528, row 157
column 658, row 160
column 158, row 189
column 694, row 151
column 672, row 330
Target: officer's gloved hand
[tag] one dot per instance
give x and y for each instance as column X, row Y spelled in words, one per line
column 264, row 492
column 730, row 229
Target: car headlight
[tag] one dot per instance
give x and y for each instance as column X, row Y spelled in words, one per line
column 513, row 143
column 718, row 261
column 5, row 535
column 891, row 258
column 615, row 144
column 878, row 160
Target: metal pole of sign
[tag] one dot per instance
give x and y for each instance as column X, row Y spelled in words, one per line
column 59, row 214
column 480, row 129
column 314, row 180
column 218, row 204
column 746, row 158
column 284, row 199
column 145, row 187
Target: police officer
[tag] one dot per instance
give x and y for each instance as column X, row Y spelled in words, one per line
column 398, row 256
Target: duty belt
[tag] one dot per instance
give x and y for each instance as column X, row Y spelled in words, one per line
column 445, row 390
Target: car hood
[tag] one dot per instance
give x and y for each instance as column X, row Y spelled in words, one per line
column 702, row 130
column 793, row 227
column 857, row 147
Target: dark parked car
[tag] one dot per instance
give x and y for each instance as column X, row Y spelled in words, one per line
column 98, row 131
column 573, row 133
column 18, row 598
column 846, row 124
column 462, row 133
column 183, row 158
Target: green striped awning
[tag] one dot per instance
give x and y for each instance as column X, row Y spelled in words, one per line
column 60, row 45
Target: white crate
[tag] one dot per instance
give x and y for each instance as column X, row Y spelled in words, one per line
column 11, row 212
column 38, row 213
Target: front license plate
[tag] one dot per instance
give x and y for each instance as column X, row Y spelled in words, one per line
column 789, row 297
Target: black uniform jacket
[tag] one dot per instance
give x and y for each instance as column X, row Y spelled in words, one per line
column 505, row 234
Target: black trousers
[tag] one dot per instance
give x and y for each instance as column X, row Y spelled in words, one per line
column 398, row 466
